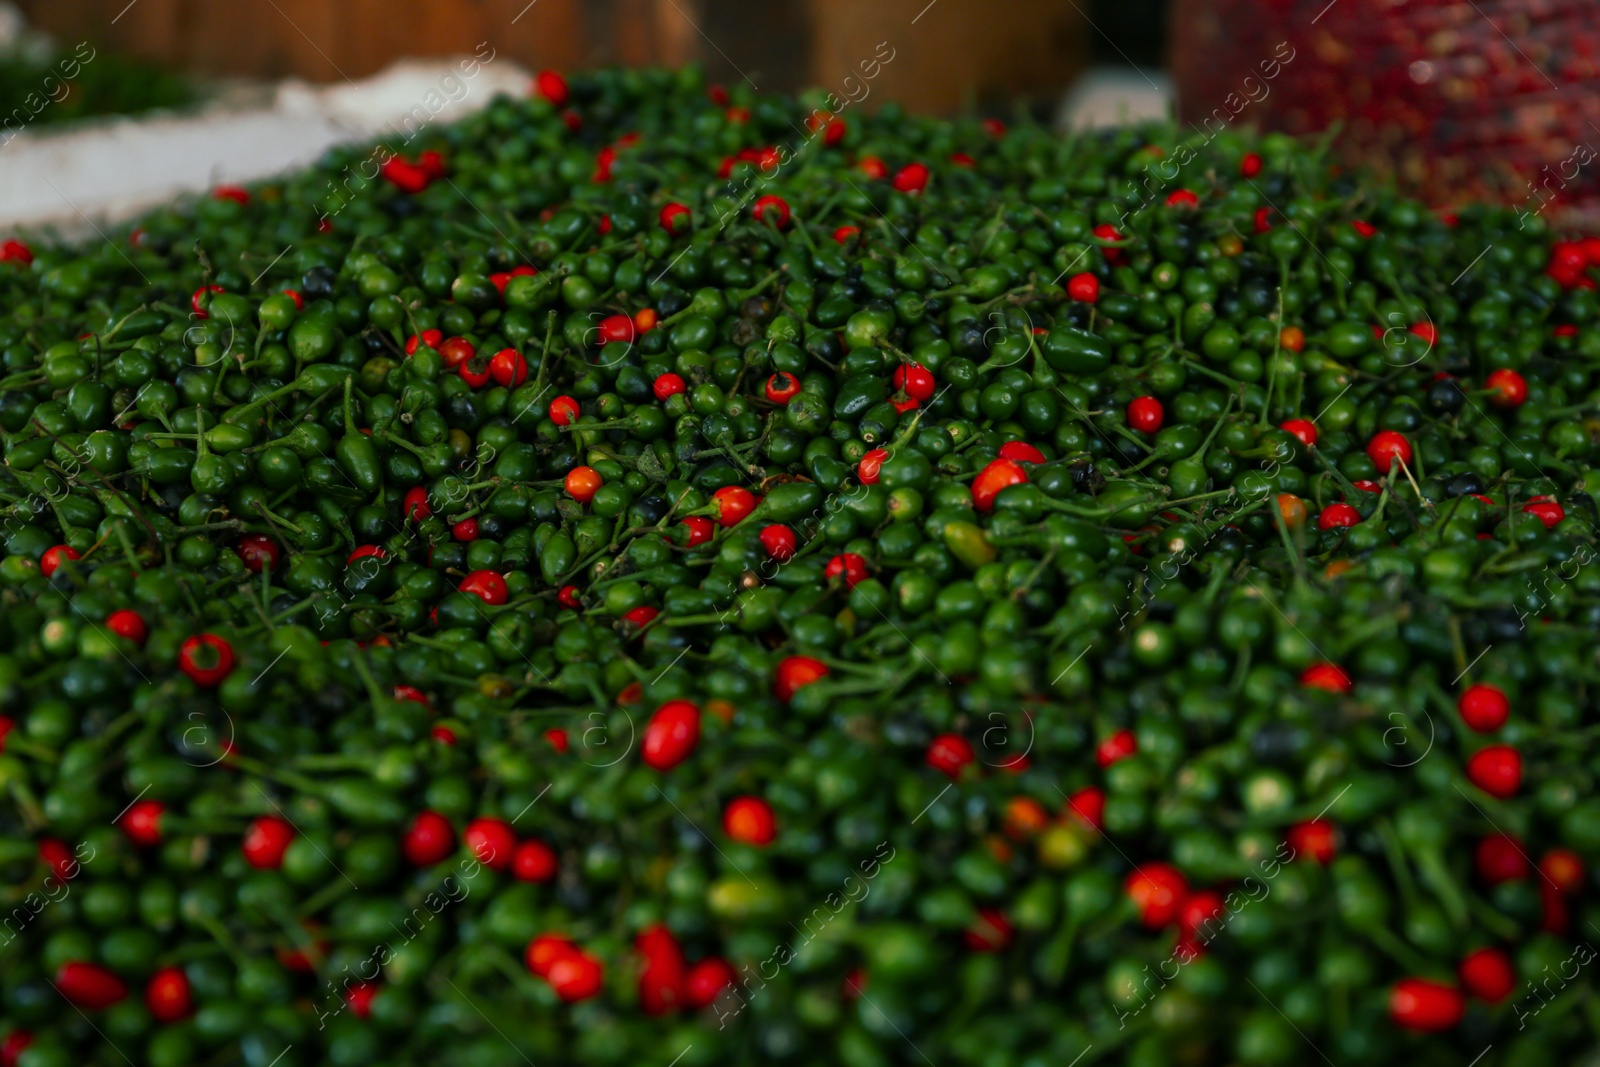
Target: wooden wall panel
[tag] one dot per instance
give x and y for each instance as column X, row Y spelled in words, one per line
column 948, row 53
column 319, row 40
column 768, row 43
column 281, row 37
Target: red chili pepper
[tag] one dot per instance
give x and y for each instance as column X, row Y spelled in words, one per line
column 1146, row 414
column 54, row 557
column 911, row 178
column 1546, row 510
column 795, row 673
column 258, row 553
column 552, row 86
column 871, row 463
column 563, row 410
column 733, row 503
column 491, row 841
column 1387, row 448
column 998, row 475
column 1119, row 746
column 1303, row 430
column 1315, row 838
column 14, row 251
column 199, row 295
column 486, row 584
column 59, row 858
column 142, row 822
column 671, row 735
column 1337, row 516
column 1421, row 1004
column 415, row 505
column 750, row 820
column 1021, row 452
column 779, row 541
column 641, row 616
column 413, row 694
column 404, row 175
column 1329, row 677
column 428, row 840
column 848, row 566
column 266, row 841
column 534, row 861
column 948, row 754
column 782, row 387
column 701, row 529
column 668, row 385
column 1488, row 975
column 772, row 209
column 1107, row 232
column 428, row 338
column 1157, row 891
column 1508, row 388
column 1197, row 910
column 475, row 371
column 661, row 980
column 675, row 218
column 544, row 950
column 1499, row 858
column 89, row 986
column 359, row 996
column 1563, row 868
column 990, row 932
column 455, row 352
column 168, row 995
column 1497, row 770
column 576, row 977
column 915, row 380
column 705, row 981
column 206, row 659
column 1089, row 804
column 508, row 367
column 617, row 329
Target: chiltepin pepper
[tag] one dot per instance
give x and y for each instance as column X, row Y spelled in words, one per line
column 793, row 571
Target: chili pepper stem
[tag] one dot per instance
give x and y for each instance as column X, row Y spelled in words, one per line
column 1396, row 949
column 1289, row 544
column 323, row 897
column 222, row 937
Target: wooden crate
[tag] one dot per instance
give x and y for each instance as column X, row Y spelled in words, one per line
column 948, row 54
